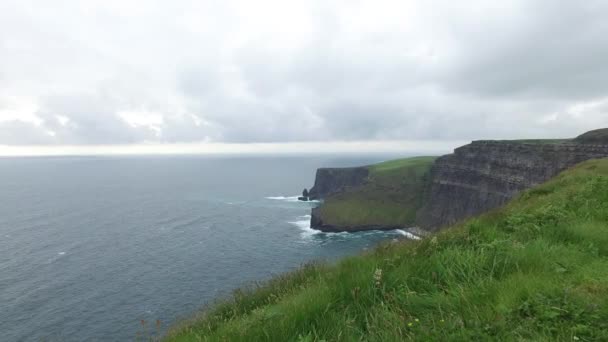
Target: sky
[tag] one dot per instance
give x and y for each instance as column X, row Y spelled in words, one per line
column 119, row 76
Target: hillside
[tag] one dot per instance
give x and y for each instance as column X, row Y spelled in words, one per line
column 536, row 269
column 434, row 193
column 388, row 199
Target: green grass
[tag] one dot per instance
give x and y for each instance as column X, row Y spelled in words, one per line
column 389, row 168
column 538, row 141
column 391, row 197
column 535, row 270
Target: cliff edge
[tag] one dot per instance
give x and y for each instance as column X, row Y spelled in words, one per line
column 387, row 198
column 431, row 194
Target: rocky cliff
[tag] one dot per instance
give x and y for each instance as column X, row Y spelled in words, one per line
column 474, row 179
column 333, row 180
column 486, row 174
column 387, row 198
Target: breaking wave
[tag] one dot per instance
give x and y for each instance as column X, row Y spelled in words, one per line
column 284, row 198
column 407, row 234
column 289, row 199
column 303, row 223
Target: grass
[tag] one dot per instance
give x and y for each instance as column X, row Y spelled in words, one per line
column 534, row 270
column 395, row 167
column 391, row 197
column 538, row 141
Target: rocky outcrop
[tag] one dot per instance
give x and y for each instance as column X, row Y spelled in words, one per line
column 316, row 222
column 474, row 179
column 332, row 180
column 486, row 174
column 597, row 137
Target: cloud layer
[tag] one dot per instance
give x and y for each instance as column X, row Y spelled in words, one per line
column 117, row 72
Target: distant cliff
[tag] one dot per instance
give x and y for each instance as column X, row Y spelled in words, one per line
column 388, row 197
column 486, row 174
column 333, row 180
column 474, row 179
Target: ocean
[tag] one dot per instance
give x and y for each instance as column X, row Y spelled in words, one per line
column 91, row 246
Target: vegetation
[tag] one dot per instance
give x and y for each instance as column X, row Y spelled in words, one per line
column 536, row 269
column 537, row 141
column 391, row 197
column 598, row 136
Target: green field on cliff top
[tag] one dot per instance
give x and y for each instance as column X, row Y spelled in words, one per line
column 391, row 196
column 536, row 269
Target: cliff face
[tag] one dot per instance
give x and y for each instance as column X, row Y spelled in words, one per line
column 486, row 174
column 333, row 180
column 474, row 179
column 388, row 198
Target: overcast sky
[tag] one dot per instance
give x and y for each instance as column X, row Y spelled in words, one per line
column 269, row 72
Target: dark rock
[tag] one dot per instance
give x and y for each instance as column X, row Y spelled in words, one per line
column 316, row 222
column 332, row 180
column 598, row 136
column 486, row 174
column 474, row 179
column 304, row 196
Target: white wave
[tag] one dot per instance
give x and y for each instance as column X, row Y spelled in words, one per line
column 304, row 225
column 284, row 198
column 290, row 199
column 61, row 253
column 407, row 234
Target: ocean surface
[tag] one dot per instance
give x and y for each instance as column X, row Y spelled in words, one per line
column 91, row 246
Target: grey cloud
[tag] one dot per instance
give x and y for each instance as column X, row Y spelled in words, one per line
column 17, row 132
column 520, row 69
column 90, row 120
column 548, row 49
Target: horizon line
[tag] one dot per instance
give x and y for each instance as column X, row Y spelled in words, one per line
column 285, row 148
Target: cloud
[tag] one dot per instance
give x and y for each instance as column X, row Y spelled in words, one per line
column 112, row 72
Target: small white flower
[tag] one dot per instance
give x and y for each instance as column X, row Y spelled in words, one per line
column 378, row 276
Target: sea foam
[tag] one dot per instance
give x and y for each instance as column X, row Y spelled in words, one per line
column 291, row 199
column 303, row 223
column 284, row 198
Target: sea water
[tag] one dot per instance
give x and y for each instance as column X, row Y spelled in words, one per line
column 92, row 246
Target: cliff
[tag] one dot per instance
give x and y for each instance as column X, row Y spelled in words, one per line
column 486, row 174
column 332, row 180
column 474, row 179
column 533, row 270
column 387, row 198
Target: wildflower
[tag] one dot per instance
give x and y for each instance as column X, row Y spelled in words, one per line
column 417, row 320
column 410, row 324
column 378, row 277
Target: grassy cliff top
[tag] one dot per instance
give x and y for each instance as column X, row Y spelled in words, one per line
column 534, row 141
column 598, row 136
column 398, row 165
column 391, row 196
column 536, row 269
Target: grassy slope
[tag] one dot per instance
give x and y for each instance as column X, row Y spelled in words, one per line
column 538, row 141
column 391, row 197
column 534, row 270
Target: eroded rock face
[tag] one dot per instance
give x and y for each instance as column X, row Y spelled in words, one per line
column 598, row 137
column 332, row 180
column 316, row 222
column 486, row 174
